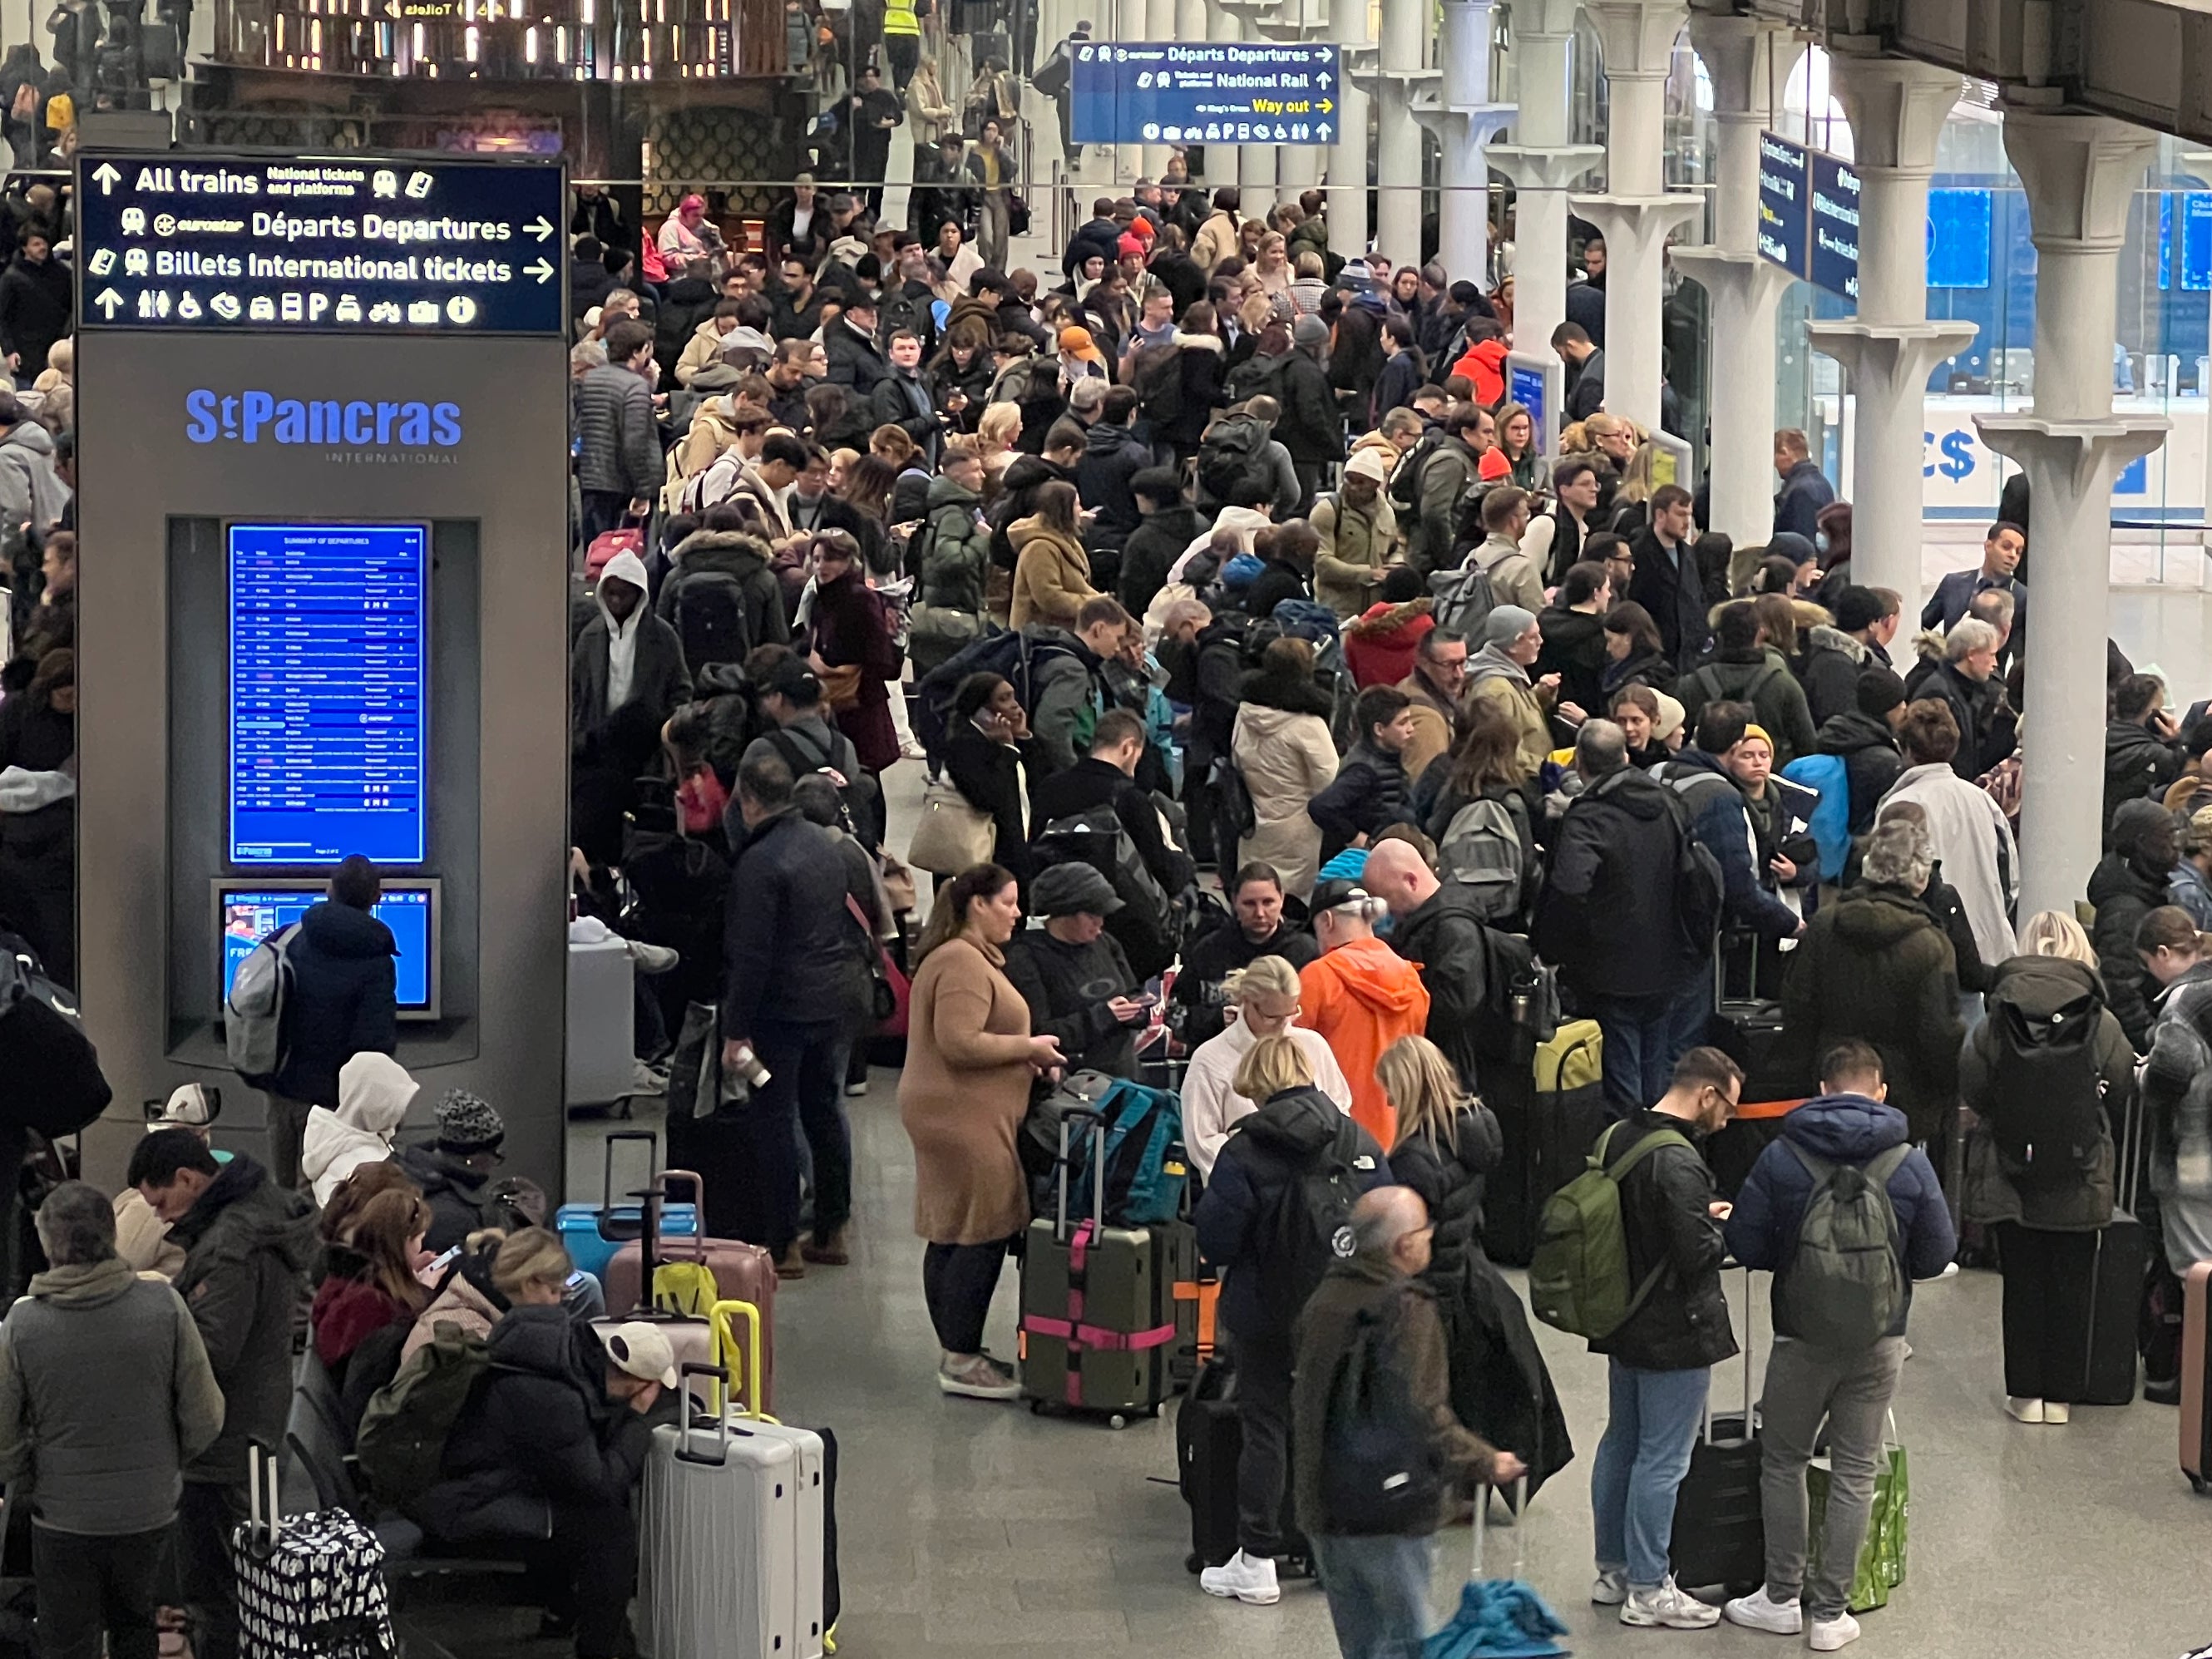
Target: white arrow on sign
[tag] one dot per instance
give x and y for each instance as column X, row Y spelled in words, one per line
column 541, row 270
column 110, row 302
column 108, row 178
column 1324, row 130
column 1324, row 77
column 541, row 227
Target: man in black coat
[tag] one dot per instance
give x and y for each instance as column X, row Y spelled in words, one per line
column 36, row 294
column 343, row 1001
column 1073, row 974
column 686, row 303
column 1805, row 488
column 1311, row 426
column 871, row 113
column 1257, row 929
column 1865, row 735
column 786, row 948
column 1866, row 621
column 1369, row 794
column 1438, row 927
column 455, row 1169
column 1166, row 524
column 1610, row 920
column 856, row 361
column 901, row 400
column 1667, row 583
column 1104, row 480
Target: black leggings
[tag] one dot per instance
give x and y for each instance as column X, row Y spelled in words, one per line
column 2048, row 1280
column 586, row 1571
column 958, row 1281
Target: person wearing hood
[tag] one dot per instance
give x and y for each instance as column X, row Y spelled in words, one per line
column 1358, row 532
column 343, row 1001
column 1744, row 669
column 1865, row 736
column 1104, row 477
column 1281, row 747
column 1240, row 1217
column 1499, row 673
column 32, row 491
column 1361, row 995
column 1866, row 621
column 1264, row 993
column 1805, row 490
column 1383, row 644
column 1368, row 794
column 1052, row 573
column 548, row 1449
column 2129, row 882
column 1968, row 834
column 454, row 1168
column 1073, row 974
column 1166, row 524
column 625, row 655
column 1439, row 929
column 2142, row 755
column 2045, row 1219
column 247, row 1244
column 729, row 550
column 1875, row 966
column 106, row 1394
column 1819, row 1391
column 726, row 327
column 374, row 1092
column 1573, row 628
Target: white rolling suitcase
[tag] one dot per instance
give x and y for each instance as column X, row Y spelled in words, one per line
column 730, row 1541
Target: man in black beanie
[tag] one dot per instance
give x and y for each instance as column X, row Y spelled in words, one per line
column 1866, row 621
column 1865, row 735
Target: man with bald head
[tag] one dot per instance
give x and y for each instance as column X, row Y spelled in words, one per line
column 1438, row 926
column 1373, row 1490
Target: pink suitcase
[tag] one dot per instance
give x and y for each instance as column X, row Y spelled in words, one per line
column 743, row 1272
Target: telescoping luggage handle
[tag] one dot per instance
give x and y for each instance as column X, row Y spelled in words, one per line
column 1750, row 1340
column 687, row 1427
column 1098, row 1120
column 653, row 1200
column 610, row 1229
column 263, row 1504
column 1520, row 1531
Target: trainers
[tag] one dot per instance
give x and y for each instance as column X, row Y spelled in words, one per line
column 2057, row 1411
column 976, row 1377
column 857, row 1089
column 1611, row 1588
column 645, row 1080
column 2024, row 1411
column 1247, row 1577
column 652, row 959
column 1829, row 1634
column 1668, row 1606
column 1758, row 1611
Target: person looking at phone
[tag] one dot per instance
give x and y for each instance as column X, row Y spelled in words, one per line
column 1074, row 975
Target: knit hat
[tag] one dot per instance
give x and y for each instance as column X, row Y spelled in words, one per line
column 1506, row 623
column 1072, row 889
column 1309, row 331
column 1131, row 246
column 467, row 1123
column 1876, row 691
column 1671, row 716
column 1753, row 729
column 2197, row 834
column 1857, row 608
column 1366, row 464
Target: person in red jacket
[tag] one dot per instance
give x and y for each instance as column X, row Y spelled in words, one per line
column 1484, row 361
column 1381, row 643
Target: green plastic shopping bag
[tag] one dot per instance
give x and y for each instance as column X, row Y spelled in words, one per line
column 1881, row 1556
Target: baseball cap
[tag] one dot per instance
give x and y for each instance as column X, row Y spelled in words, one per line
column 637, row 1349
column 793, row 678
column 1070, row 889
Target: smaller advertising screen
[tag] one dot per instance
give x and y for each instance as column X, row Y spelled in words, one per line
column 1959, row 238
column 248, row 912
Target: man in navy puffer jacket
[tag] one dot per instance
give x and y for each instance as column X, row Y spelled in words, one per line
column 1808, row 1381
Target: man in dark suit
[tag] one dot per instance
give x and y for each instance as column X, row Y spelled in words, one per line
column 1665, row 582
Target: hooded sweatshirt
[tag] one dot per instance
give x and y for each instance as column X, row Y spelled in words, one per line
column 622, row 636
column 1363, row 997
column 1246, row 522
column 373, row 1094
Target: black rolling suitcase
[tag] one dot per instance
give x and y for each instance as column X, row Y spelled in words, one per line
column 2118, row 1277
column 1748, row 1031
column 1720, row 1525
column 1209, row 1439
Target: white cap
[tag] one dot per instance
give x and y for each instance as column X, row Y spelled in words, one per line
column 640, row 1351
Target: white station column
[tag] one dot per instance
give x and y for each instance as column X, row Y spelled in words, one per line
column 1745, row 58
column 1542, row 164
column 1897, row 109
column 1348, row 156
column 1464, row 120
column 2079, row 172
column 1160, row 25
column 1224, row 162
column 1404, row 65
column 1636, row 215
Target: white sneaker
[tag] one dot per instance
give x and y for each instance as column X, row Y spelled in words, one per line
column 911, row 750
column 859, row 1088
column 1611, row 1588
column 644, row 1080
column 2057, row 1411
column 1950, row 1271
column 653, row 959
column 1668, row 1606
column 2025, row 1411
column 1829, row 1634
column 1248, row 1578
column 1757, row 1611
column 977, row 1376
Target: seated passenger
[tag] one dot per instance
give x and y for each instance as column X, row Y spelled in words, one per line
column 467, row 1293
column 365, row 1305
column 454, row 1169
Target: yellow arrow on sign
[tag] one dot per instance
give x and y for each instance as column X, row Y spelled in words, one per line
column 1327, row 106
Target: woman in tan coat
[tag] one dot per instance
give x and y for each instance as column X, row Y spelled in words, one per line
column 1052, row 573
column 1284, row 753
column 969, row 1061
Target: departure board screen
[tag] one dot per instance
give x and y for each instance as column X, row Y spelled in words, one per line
column 329, row 692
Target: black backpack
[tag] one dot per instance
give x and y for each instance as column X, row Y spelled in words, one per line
column 860, row 794
column 1156, row 376
column 711, row 619
column 1380, row 1474
column 1700, row 891
column 2050, row 1121
column 1310, row 1224
column 1232, row 460
column 1405, row 485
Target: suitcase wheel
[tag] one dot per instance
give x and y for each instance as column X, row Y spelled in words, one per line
column 1194, row 1562
column 1117, row 1421
column 2200, row 1485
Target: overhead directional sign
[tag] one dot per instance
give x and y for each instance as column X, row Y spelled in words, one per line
column 1834, row 263
column 1169, row 92
column 185, row 240
column 1784, row 191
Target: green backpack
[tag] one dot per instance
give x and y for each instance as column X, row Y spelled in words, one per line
column 1578, row 1279
column 401, row 1442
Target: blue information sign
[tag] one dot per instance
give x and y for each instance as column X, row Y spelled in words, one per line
column 1525, row 385
column 329, row 670
column 1834, row 262
column 251, row 915
column 1959, row 237
column 184, row 241
column 1169, row 92
column 1784, row 185
column 2196, row 241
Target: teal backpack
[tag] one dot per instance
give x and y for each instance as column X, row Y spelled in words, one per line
column 1145, row 1172
column 1830, row 828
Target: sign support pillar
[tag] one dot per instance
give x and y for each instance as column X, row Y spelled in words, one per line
column 1464, row 121
column 1544, row 165
column 1347, row 157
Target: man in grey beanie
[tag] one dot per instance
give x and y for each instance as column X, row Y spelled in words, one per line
column 1499, row 673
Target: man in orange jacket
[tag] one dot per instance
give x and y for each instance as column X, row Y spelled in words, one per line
column 1361, row 995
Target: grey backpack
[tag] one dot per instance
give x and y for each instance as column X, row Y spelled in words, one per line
column 1464, row 599
column 253, row 1012
column 1843, row 1287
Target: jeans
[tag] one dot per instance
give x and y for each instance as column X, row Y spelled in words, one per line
column 1263, row 1409
column 88, row 1585
column 206, row 1516
column 2049, row 1281
column 1645, row 1035
column 1850, row 1391
column 957, row 1282
column 1652, row 1421
column 804, row 1091
column 586, row 1573
column 1378, row 1592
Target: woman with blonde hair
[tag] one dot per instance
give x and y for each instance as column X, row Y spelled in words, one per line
column 997, row 429
column 1263, row 999
column 468, row 1293
column 2041, row 1160
column 1269, row 1267
column 532, row 1267
column 1273, row 265
column 1447, row 1143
